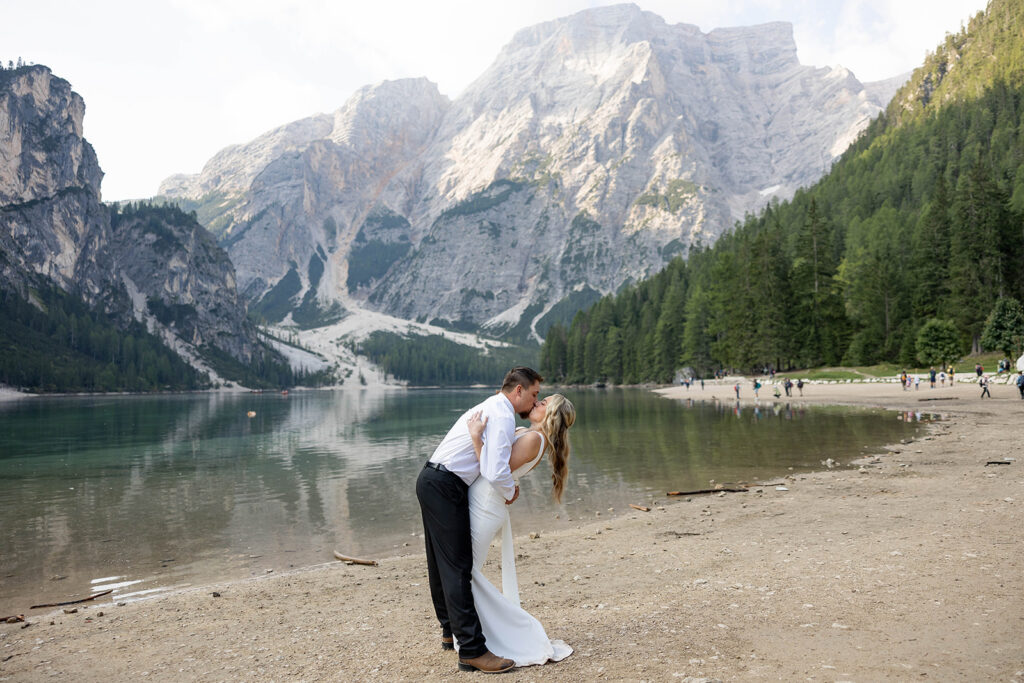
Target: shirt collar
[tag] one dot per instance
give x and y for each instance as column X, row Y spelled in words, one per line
column 507, row 402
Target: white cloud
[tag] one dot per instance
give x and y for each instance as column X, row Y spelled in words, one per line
column 169, row 82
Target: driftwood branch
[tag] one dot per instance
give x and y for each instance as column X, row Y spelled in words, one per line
column 641, row 508
column 354, row 560
column 700, row 491
column 998, row 462
column 73, row 602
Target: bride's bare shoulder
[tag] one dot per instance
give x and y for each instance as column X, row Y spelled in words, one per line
column 524, row 449
column 528, row 438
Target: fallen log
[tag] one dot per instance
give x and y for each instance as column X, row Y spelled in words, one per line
column 641, row 508
column 73, row 602
column 701, row 491
column 354, row 560
column 998, row 462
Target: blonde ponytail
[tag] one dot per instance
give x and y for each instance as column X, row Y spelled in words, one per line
column 561, row 414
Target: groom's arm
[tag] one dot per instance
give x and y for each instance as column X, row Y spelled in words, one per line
column 496, row 452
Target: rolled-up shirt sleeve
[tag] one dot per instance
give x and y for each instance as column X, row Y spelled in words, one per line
column 497, row 449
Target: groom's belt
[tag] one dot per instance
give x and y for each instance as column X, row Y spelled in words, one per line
column 436, row 466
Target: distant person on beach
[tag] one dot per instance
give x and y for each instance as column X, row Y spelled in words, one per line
column 931, row 376
column 978, row 369
column 983, row 383
column 800, row 386
column 952, row 375
column 1020, row 383
column 942, row 378
column 736, row 388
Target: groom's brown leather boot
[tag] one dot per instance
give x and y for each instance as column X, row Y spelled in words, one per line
column 488, row 662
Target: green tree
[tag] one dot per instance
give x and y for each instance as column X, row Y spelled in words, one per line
column 1004, row 327
column 977, row 261
column 938, row 342
column 931, row 255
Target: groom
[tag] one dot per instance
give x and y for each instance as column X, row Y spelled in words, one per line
column 442, row 489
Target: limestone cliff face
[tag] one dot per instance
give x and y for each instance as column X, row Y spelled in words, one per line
column 179, row 279
column 594, row 149
column 158, row 266
column 308, row 187
column 52, row 223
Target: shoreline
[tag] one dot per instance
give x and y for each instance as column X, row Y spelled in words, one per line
column 904, row 567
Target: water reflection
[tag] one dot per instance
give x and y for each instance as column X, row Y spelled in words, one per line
column 149, row 492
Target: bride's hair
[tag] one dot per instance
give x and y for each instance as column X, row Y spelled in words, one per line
column 561, row 414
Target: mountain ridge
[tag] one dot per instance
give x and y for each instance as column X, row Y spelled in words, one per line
column 591, row 151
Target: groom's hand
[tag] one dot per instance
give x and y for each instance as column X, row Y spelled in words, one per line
column 514, row 496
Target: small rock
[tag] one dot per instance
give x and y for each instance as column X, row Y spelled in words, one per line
column 216, row 594
column 838, row 625
column 534, row 535
column 70, row 610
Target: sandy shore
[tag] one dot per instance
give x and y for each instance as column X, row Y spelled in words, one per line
column 906, row 568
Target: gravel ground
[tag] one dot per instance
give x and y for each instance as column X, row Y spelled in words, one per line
column 906, row 567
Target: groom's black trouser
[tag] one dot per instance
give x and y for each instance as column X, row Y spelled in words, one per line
column 444, row 503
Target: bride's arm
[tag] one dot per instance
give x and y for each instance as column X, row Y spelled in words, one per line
column 476, row 431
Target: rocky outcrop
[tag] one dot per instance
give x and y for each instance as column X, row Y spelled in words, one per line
column 155, row 265
column 593, row 150
column 176, row 274
column 52, row 223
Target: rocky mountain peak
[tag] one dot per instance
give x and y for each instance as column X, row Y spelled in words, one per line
column 42, row 150
column 376, row 113
column 590, row 152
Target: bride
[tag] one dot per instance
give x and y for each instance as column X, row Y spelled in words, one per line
column 510, row 630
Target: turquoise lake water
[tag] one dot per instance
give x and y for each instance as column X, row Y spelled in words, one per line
column 149, row 493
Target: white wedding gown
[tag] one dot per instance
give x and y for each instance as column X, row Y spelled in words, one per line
column 510, row 630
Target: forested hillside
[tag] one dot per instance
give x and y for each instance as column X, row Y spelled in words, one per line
column 921, row 219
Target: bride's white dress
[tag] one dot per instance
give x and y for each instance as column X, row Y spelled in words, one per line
column 510, row 630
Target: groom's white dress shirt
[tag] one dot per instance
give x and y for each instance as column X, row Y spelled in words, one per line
column 456, row 452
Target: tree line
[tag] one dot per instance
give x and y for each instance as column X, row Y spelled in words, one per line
column 60, row 344
column 432, row 360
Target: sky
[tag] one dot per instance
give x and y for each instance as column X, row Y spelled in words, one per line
column 168, row 83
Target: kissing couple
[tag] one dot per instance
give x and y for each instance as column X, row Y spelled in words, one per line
column 464, row 492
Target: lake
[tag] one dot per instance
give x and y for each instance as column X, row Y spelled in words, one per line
column 149, row 493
